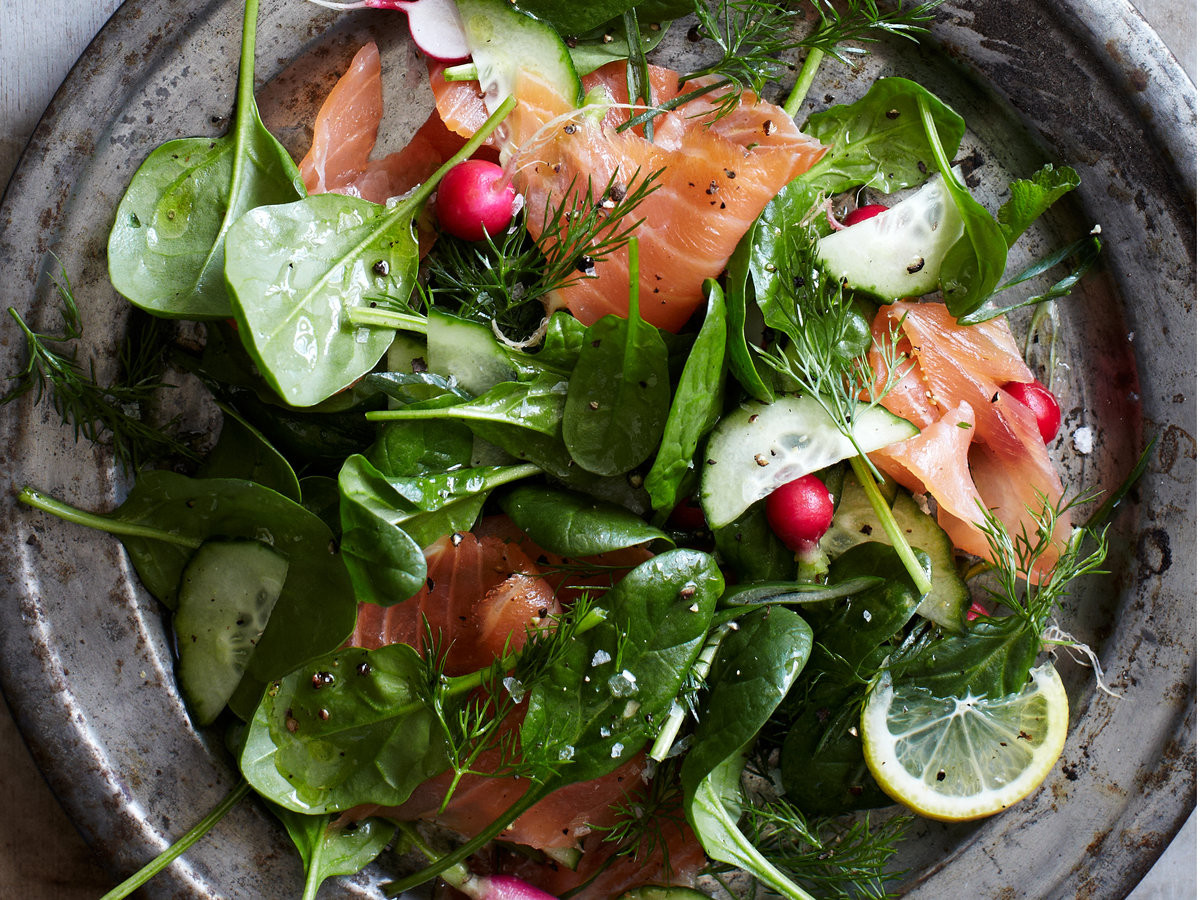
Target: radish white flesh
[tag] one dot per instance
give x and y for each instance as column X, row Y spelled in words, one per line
column 435, row 25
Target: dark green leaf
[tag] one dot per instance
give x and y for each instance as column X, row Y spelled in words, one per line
column 574, row 525
column 751, row 548
column 694, row 410
column 602, row 700
column 243, row 452
column 350, row 728
column 618, row 397
column 329, row 849
column 421, row 447
column 742, row 363
column 536, row 405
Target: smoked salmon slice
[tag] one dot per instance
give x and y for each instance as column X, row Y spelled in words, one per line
column 715, row 176
column 998, row 459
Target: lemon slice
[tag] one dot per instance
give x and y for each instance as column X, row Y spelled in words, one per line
column 956, row 759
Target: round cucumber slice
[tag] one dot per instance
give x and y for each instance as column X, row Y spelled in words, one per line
column 897, row 253
column 760, row 446
column 226, row 596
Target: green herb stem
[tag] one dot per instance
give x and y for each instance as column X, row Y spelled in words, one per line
column 313, row 877
column 535, row 793
column 387, row 318
column 895, row 535
column 464, row 72
column 804, row 81
column 164, row 859
column 666, row 738
column 65, row 511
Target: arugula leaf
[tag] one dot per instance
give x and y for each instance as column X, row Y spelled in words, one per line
column 328, row 849
column 695, row 409
column 166, row 250
column 1032, row 197
column 880, row 140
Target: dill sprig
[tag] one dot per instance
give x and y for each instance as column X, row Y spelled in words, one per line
column 110, row 414
column 862, row 20
column 830, row 857
column 1018, row 584
column 504, row 279
column 645, row 817
column 828, row 339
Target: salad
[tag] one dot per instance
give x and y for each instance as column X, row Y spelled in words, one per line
column 678, row 499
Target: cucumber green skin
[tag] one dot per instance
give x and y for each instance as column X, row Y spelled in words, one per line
column 226, row 595
column 504, row 42
column 897, row 253
column 663, row 892
column 855, row 522
column 759, row 447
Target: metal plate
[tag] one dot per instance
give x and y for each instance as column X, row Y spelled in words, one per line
column 87, row 667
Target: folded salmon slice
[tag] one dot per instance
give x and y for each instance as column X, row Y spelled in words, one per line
column 1002, row 462
column 717, row 174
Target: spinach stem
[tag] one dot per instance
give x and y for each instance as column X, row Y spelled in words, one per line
column 164, row 859
column 65, row 511
column 804, row 81
column 312, row 873
column 666, row 738
column 535, row 793
column 387, row 318
column 915, row 570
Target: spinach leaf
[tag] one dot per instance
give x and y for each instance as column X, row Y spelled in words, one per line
column 1032, row 197
column 574, row 525
column 328, row 849
column 421, row 447
column 992, row 658
column 352, row 727
column 562, row 343
column 535, row 405
column 752, row 550
column 694, row 410
column 166, row 250
column 742, row 363
column 243, row 452
column 319, row 495
column 387, row 520
column 296, row 272
column 753, row 671
column 974, row 264
column 573, row 19
column 610, row 41
column 822, row 764
column 601, row 699
column 618, row 396
column 880, row 140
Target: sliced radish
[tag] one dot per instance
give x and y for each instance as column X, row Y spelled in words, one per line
column 435, row 25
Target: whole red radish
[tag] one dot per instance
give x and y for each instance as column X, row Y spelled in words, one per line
column 474, row 199
column 800, row 511
column 1044, row 404
column 870, row 211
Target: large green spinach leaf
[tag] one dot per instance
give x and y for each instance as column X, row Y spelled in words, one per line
column 166, row 250
column 575, row 525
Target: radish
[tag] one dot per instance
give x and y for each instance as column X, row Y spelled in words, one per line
column 435, row 25
column 474, row 199
column 863, row 213
column 1038, row 398
column 800, row 511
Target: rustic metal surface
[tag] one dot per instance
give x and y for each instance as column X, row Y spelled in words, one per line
column 86, row 664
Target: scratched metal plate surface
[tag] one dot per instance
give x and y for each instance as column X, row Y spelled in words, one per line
column 86, row 664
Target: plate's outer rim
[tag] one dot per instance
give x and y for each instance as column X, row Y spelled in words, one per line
column 35, row 690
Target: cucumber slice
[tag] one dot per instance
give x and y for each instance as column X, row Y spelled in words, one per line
column 855, row 522
column 226, row 595
column 504, row 42
column 897, row 253
column 467, row 351
column 759, row 446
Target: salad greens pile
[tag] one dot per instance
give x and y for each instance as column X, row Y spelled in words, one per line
column 370, row 410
